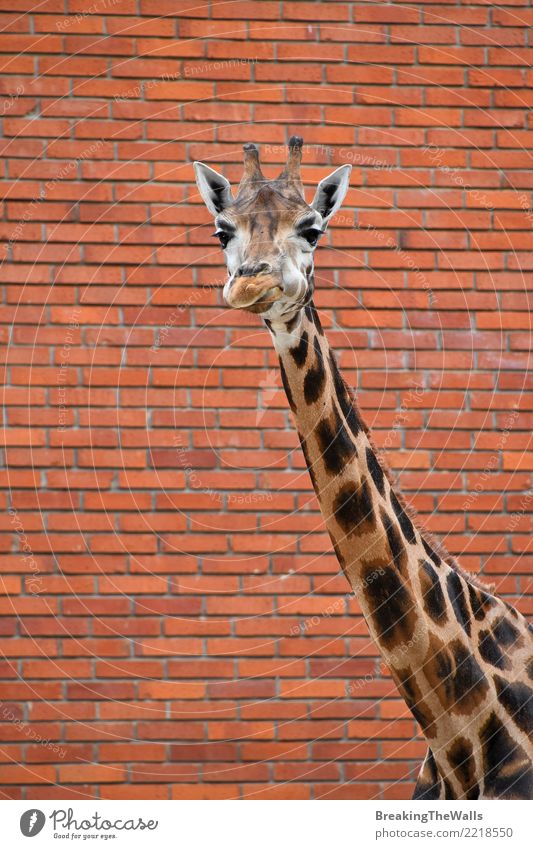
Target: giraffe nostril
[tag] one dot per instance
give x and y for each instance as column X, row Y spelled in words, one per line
column 253, row 270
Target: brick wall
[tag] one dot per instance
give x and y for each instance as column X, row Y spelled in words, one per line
column 173, row 621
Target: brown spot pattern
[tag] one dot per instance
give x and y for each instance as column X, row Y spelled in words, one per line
column 461, row 759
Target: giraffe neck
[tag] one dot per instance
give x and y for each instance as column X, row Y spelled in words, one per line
column 421, row 610
column 375, row 541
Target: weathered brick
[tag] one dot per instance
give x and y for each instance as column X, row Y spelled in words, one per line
column 187, row 634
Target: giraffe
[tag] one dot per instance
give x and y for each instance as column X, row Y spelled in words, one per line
column 461, row 657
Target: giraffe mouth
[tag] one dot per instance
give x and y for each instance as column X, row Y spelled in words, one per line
column 254, row 294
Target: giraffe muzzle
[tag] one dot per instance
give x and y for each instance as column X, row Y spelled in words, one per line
column 255, row 293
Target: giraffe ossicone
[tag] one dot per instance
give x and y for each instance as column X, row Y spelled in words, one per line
column 461, row 657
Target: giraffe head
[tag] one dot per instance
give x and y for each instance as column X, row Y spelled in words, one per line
column 268, row 232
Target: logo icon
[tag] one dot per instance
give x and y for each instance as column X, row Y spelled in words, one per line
column 32, row 822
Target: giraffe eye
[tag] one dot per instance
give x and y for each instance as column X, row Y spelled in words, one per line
column 223, row 236
column 312, row 235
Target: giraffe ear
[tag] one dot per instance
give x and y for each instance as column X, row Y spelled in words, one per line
column 214, row 188
column 331, row 191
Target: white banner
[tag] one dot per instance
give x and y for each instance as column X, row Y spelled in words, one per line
column 256, row 825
